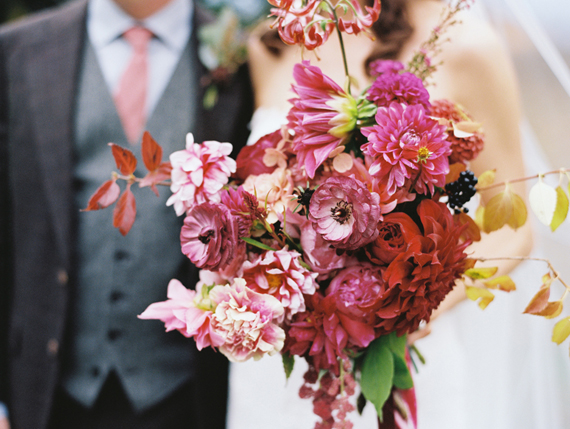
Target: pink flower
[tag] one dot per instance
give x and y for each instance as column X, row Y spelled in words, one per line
column 250, row 158
column 345, row 212
column 199, row 173
column 355, row 20
column 407, row 147
column 318, row 254
column 245, row 319
column 322, row 117
column 244, row 207
column 391, row 85
column 184, row 312
column 280, row 274
column 209, row 236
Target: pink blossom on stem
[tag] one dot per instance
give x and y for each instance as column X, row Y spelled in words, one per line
column 246, row 320
column 199, row 173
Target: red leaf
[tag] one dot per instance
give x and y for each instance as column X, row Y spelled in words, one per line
column 157, row 176
column 103, row 197
column 124, row 158
column 151, row 152
column 125, row 212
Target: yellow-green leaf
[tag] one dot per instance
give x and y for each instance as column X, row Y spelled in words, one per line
column 561, row 330
column 498, row 211
column 519, row 215
column 481, row 273
column 504, row 283
column 561, row 210
column 479, row 216
column 474, row 293
column 538, row 301
column 486, row 179
column 542, row 199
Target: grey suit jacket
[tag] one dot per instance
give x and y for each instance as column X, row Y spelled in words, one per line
column 39, row 59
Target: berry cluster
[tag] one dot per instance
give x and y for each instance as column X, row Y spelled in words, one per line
column 461, row 191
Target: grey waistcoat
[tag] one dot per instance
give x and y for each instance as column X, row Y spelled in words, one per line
column 118, row 277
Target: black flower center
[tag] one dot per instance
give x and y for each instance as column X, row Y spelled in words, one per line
column 205, row 238
column 342, row 211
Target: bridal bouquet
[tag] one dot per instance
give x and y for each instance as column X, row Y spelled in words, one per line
column 334, row 237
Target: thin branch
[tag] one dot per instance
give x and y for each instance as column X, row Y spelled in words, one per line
column 522, row 179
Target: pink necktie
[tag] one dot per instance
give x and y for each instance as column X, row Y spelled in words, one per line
column 130, row 98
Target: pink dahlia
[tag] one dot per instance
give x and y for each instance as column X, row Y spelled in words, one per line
column 244, row 207
column 358, row 291
column 186, row 313
column 199, row 173
column 322, row 117
column 392, row 85
column 407, row 148
column 421, row 276
column 209, row 236
column 280, row 274
column 345, row 212
column 246, row 321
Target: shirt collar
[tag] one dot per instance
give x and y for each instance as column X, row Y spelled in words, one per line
column 106, row 21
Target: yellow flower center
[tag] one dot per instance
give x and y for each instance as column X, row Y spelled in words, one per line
column 274, row 281
column 423, row 154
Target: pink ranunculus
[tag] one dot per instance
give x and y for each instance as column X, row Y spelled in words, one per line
column 209, row 236
column 319, row 255
column 246, row 320
column 185, row 312
column 322, row 117
column 280, row 274
column 199, row 173
column 345, row 212
column 407, row 148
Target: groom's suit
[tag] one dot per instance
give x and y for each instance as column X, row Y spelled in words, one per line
column 40, row 70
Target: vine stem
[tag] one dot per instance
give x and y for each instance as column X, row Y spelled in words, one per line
column 531, row 258
column 522, row 179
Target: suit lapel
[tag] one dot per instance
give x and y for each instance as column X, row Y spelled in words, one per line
column 52, row 78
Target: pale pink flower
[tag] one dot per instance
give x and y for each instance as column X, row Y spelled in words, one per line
column 407, row 148
column 246, row 320
column 209, row 236
column 280, row 274
column 187, row 313
column 199, row 173
column 322, row 117
column 345, row 212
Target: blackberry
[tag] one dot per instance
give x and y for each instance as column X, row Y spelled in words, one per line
column 461, row 191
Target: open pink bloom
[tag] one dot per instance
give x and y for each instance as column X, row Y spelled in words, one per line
column 345, row 212
column 356, row 20
column 407, row 147
column 246, row 320
column 209, row 236
column 199, row 173
column 322, row 117
column 250, row 158
column 280, row 274
column 183, row 312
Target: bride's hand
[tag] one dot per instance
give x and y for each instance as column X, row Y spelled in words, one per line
column 4, row 423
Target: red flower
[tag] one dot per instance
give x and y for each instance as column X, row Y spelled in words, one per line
column 394, row 234
column 419, row 278
column 250, row 158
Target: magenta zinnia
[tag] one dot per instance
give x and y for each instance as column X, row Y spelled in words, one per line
column 323, row 116
column 407, row 148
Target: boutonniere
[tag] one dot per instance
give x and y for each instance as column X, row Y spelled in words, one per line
column 222, row 50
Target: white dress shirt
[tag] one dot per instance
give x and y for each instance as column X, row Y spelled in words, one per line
column 171, row 26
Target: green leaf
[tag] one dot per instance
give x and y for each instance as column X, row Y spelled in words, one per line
column 561, row 210
column 402, row 377
column 378, row 373
column 256, row 243
column 288, row 364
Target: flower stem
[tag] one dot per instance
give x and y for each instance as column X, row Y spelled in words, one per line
column 342, row 50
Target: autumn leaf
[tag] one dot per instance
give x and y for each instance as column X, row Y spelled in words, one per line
column 151, row 152
column 454, row 170
column 539, row 301
column 469, row 263
column 157, row 176
column 479, row 216
column 561, row 330
column 486, row 179
column 542, row 199
column 124, row 158
column 504, row 283
column 481, row 273
column 125, row 212
column 552, row 310
column 475, row 293
column 561, row 210
column 519, row 214
column 104, row 196
column 472, row 231
column 498, row 211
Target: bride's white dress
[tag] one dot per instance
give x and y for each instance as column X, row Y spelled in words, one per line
column 485, row 369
